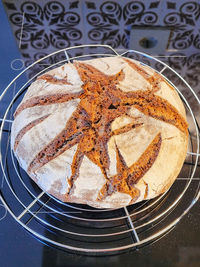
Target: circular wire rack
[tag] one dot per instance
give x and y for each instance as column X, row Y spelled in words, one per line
column 79, row 227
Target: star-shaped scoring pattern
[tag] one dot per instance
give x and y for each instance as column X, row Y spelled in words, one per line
column 101, row 102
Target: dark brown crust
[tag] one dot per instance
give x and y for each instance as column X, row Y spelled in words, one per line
column 46, row 100
column 76, row 163
column 127, row 177
column 53, row 150
column 69, row 137
column 90, row 73
column 51, row 79
column 26, row 129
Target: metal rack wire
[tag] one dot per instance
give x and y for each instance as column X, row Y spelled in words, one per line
column 78, row 227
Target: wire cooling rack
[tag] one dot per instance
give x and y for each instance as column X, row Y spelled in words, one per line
column 79, row 227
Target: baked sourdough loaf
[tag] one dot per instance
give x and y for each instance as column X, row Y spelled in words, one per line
column 106, row 132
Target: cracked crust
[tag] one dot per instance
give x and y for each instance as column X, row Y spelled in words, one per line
column 85, row 128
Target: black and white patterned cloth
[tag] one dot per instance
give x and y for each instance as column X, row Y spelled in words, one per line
column 52, row 25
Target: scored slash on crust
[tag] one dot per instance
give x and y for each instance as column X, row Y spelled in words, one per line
column 101, row 102
column 46, row 100
column 127, row 177
column 27, row 128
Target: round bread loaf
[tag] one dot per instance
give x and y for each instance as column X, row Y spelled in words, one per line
column 106, row 132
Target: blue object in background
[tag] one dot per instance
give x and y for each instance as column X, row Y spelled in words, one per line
column 10, row 56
